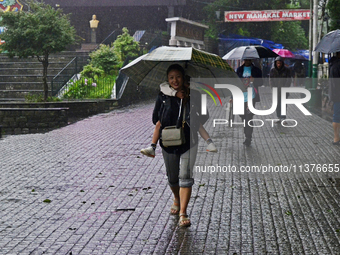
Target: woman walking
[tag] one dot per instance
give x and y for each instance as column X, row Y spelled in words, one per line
column 179, row 160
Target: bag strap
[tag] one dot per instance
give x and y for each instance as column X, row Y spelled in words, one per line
column 179, row 115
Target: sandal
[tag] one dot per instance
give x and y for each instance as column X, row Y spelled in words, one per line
column 174, row 209
column 182, row 219
column 336, row 143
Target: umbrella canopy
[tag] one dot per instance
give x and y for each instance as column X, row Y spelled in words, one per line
column 284, row 53
column 150, row 69
column 249, row 52
column 300, row 57
column 329, row 43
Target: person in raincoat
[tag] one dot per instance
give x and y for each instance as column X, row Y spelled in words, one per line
column 279, row 77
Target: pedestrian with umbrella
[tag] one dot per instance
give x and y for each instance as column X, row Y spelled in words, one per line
column 166, row 63
column 180, row 159
column 252, row 77
column 330, row 43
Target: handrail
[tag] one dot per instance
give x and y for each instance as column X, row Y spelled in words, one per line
column 64, row 67
column 66, row 73
column 112, row 34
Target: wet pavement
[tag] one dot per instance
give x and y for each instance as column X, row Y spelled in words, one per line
column 86, row 189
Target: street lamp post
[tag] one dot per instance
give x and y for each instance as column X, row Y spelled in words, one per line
column 315, row 42
column 315, row 100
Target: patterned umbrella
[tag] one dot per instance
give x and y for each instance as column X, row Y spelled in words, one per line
column 150, row 69
column 284, row 53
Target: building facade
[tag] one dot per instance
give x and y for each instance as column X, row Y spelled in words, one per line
column 115, row 14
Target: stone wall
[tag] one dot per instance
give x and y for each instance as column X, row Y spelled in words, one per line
column 25, row 118
column 32, row 120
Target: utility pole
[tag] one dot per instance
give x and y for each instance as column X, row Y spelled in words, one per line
column 315, row 100
column 310, row 38
column 315, row 42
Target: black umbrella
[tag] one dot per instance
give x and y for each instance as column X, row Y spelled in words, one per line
column 250, row 52
column 329, row 43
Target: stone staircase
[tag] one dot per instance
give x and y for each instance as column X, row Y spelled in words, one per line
column 22, row 77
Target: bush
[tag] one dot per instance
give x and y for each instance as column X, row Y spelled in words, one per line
column 104, row 58
column 125, row 46
column 91, row 72
column 91, row 88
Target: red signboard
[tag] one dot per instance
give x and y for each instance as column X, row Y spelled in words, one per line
column 269, row 15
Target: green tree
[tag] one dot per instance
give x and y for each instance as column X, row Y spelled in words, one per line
column 282, row 32
column 125, row 46
column 333, row 7
column 37, row 33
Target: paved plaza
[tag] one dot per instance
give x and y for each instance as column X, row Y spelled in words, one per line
column 86, row 189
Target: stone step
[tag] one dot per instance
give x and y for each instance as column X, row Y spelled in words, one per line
column 12, row 100
column 22, row 86
column 87, row 47
column 28, row 71
column 65, row 57
column 19, row 93
column 35, row 65
column 23, row 78
column 20, row 77
column 24, row 60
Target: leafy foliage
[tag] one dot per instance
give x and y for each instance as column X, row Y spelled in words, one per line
column 104, row 58
column 333, row 7
column 37, row 33
column 100, row 87
column 125, row 46
column 283, row 31
column 91, row 72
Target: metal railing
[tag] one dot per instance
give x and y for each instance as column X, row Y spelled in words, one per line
column 82, row 88
column 76, row 65
column 109, row 39
column 72, row 68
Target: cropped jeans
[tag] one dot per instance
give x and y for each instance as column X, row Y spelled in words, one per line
column 179, row 167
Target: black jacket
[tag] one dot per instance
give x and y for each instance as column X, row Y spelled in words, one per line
column 334, row 80
column 166, row 111
column 280, row 77
column 257, row 74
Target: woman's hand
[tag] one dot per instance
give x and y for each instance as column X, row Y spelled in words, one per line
column 180, row 94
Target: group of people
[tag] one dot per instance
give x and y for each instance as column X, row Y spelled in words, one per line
column 176, row 102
